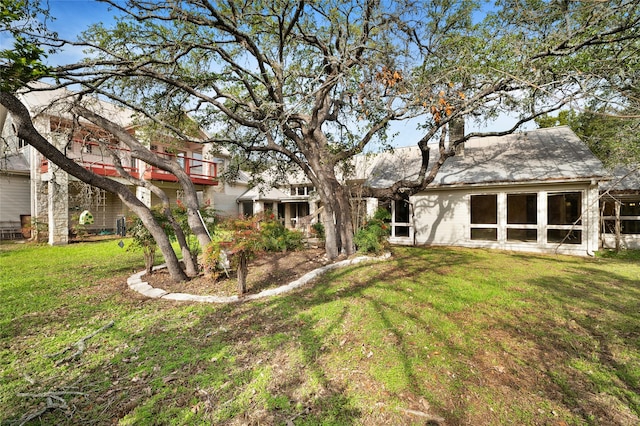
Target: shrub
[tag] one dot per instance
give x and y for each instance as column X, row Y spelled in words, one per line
column 275, row 237
column 209, row 219
column 241, row 242
column 318, row 229
column 373, row 236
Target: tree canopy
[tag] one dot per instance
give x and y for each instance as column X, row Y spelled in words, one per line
column 611, row 135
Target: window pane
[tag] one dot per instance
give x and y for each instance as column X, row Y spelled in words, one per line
column 564, row 209
column 630, row 208
column 609, row 227
column 522, row 209
column 401, row 231
column 402, row 211
column 626, row 226
column 247, row 208
column 490, row 234
column 522, row 235
column 484, row 209
column 630, row 226
column 558, row 236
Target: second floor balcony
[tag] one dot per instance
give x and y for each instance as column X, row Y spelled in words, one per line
column 94, row 157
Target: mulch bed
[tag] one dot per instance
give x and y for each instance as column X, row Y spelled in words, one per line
column 268, row 270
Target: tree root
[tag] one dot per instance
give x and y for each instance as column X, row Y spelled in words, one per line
column 79, row 345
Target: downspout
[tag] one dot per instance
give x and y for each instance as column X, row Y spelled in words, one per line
column 594, row 183
column 413, row 222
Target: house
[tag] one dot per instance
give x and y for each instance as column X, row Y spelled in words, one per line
column 620, row 209
column 534, row 191
column 59, row 201
column 294, row 202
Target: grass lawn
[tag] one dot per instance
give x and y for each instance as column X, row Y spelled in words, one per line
column 432, row 336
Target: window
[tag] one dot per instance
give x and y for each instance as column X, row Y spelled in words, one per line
column 484, row 211
column 522, row 211
column 402, row 213
column 564, row 211
column 247, row 208
column 181, row 159
column 195, row 167
column 400, row 222
column 629, row 217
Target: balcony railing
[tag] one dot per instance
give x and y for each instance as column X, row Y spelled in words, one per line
column 92, row 157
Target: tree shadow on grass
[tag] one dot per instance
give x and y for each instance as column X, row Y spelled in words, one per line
column 586, row 330
column 294, row 357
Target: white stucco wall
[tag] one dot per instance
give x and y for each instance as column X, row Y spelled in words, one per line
column 225, row 202
column 442, row 217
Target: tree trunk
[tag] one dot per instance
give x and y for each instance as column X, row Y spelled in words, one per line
column 243, row 270
column 149, row 254
column 338, row 223
column 331, row 245
column 26, row 131
column 346, row 221
column 187, row 257
column 145, row 215
column 141, row 152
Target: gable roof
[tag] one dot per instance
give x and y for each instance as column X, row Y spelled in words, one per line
column 542, row 155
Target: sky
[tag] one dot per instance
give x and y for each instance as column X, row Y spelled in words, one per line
column 74, row 16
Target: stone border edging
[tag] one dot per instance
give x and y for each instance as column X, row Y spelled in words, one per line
column 135, row 283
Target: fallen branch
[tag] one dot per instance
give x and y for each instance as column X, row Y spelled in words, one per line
column 80, row 345
column 60, row 403
column 430, row 419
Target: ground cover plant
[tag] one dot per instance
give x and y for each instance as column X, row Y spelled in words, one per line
column 432, row 336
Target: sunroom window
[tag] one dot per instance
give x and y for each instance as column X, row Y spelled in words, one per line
column 484, row 217
column 564, row 218
column 522, row 217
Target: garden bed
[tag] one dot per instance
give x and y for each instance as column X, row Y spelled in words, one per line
column 268, row 270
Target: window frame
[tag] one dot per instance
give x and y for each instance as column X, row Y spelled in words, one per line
column 479, row 227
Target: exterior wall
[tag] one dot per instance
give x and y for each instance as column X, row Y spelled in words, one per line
column 628, row 241
column 225, row 201
column 443, row 217
column 15, row 206
column 15, row 197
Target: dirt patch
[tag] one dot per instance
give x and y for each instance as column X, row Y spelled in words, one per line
column 268, row 270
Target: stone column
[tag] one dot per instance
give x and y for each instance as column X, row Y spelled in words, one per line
column 58, row 206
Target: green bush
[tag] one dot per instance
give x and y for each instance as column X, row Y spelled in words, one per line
column 275, row 237
column 372, row 237
column 141, row 238
column 318, row 229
